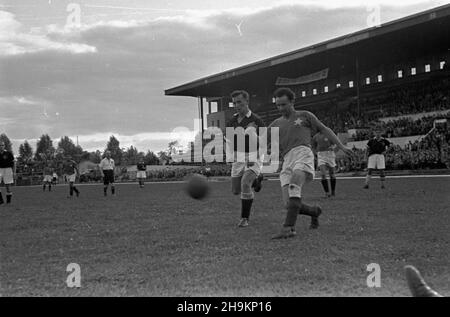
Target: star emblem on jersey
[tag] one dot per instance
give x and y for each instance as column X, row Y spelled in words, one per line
column 298, row 122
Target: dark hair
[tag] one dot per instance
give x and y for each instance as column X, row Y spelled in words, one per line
column 236, row 93
column 283, row 91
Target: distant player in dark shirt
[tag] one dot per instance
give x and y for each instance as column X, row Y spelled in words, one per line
column 246, row 176
column 48, row 178
column 376, row 147
column 141, row 173
column 7, row 171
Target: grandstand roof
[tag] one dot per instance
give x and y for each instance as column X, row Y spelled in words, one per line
column 394, row 41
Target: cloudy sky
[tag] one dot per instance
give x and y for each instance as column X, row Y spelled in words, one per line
column 103, row 71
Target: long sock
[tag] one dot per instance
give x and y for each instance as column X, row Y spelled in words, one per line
column 1, row 198
column 76, row 190
column 8, row 198
column 367, row 179
column 113, row 190
column 333, row 184
column 71, row 190
column 105, row 190
column 324, row 182
column 293, row 210
column 49, row 187
column 246, row 206
column 43, row 188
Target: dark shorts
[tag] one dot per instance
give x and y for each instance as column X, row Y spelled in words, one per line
column 108, row 177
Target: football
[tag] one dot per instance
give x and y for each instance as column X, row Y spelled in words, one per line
column 197, row 186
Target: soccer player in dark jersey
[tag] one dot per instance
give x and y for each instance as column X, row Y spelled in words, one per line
column 7, row 172
column 246, row 176
column 71, row 170
column 296, row 129
column 376, row 147
column 48, row 178
column 326, row 160
column 141, row 173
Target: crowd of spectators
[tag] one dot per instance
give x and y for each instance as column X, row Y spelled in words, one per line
column 403, row 127
column 415, row 99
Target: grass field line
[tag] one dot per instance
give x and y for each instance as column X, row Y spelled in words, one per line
column 267, row 179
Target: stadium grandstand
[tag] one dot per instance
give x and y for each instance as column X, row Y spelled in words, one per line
column 395, row 75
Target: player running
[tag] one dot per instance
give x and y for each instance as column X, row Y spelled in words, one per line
column 48, row 178
column 141, row 173
column 296, row 129
column 246, row 176
column 107, row 166
column 326, row 160
column 376, row 147
column 7, row 171
column 71, row 170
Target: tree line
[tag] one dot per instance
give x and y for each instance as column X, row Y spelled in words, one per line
column 66, row 148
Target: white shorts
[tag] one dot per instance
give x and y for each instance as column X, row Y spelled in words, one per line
column 376, row 161
column 141, row 174
column 72, row 178
column 326, row 158
column 6, row 175
column 238, row 168
column 48, row 178
column 299, row 158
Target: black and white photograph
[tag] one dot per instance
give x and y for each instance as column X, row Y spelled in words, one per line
column 224, row 154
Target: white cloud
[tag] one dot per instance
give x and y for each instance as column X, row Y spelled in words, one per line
column 14, row 41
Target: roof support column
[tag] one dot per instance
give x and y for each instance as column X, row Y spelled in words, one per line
column 202, row 130
column 357, row 87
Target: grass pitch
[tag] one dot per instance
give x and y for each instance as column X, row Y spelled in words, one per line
column 157, row 241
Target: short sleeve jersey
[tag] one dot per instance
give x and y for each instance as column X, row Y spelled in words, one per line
column 296, row 130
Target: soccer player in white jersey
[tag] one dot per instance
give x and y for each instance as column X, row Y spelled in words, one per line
column 107, row 166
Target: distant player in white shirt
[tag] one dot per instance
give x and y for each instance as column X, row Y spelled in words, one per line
column 326, row 161
column 107, row 166
column 71, row 170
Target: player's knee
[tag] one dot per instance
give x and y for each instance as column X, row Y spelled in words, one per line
column 294, row 190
